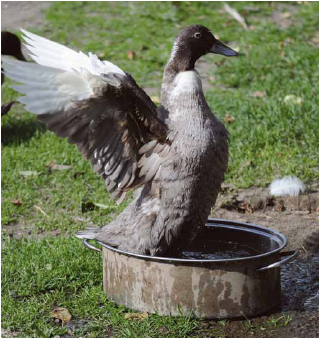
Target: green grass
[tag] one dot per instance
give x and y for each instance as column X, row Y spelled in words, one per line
column 268, row 138
column 38, row 276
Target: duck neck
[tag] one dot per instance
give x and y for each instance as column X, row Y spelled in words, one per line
column 180, row 79
column 181, row 59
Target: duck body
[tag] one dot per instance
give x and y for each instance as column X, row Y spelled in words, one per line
column 173, row 208
column 181, row 161
column 201, row 149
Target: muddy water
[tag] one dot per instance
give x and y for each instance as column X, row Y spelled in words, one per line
column 300, row 283
column 221, row 250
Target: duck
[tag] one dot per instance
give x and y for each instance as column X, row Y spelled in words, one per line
column 10, row 45
column 174, row 155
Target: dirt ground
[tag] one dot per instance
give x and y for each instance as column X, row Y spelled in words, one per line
column 22, row 14
column 297, row 218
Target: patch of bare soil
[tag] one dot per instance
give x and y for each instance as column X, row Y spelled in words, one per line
column 24, row 14
column 295, row 217
column 282, row 14
column 9, row 334
column 293, row 325
column 23, row 230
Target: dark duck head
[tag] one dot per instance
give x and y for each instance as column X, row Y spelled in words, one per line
column 180, row 78
column 10, row 45
column 192, row 43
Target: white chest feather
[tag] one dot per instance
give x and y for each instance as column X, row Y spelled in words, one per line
column 188, row 82
column 151, row 206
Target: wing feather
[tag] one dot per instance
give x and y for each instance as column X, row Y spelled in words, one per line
column 97, row 106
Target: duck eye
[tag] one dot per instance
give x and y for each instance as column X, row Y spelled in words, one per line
column 197, row 35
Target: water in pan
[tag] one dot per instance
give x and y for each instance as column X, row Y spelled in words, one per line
column 221, row 250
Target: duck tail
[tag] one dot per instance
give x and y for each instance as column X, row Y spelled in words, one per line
column 88, row 233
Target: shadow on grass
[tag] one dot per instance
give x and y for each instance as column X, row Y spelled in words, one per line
column 17, row 131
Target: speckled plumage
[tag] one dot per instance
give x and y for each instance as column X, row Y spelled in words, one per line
column 187, row 184
column 178, row 152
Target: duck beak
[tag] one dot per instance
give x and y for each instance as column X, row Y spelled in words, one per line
column 219, row 48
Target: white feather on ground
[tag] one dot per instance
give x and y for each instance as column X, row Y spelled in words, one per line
column 289, row 185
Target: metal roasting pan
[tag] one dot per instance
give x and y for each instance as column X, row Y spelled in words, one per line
column 207, row 288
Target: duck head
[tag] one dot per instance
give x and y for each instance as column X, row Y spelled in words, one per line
column 11, row 45
column 194, row 42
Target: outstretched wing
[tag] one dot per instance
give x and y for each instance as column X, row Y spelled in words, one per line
column 96, row 106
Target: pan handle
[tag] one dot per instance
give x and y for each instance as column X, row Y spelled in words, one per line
column 292, row 255
column 91, row 247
